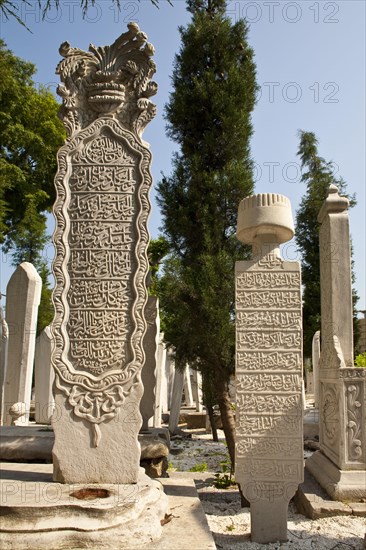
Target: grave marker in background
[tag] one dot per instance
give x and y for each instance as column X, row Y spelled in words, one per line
column 23, row 295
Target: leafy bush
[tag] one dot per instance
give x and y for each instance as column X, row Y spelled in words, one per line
column 224, row 479
column 199, row 467
column 360, row 360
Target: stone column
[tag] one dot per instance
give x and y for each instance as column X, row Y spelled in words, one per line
column 176, row 401
column 148, row 373
column 23, row 295
column 187, row 386
column 161, row 383
column 340, row 465
column 269, row 447
column 101, row 263
column 169, row 373
column 197, row 390
column 315, row 361
column 43, row 378
column 4, row 335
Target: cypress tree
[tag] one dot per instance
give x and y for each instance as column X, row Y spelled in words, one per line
column 209, row 116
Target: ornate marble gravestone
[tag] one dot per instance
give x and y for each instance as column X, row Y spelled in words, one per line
column 101, row 240
column 340, row 465
column 269, row 448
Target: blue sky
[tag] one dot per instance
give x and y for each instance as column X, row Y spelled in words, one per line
column 310, row 58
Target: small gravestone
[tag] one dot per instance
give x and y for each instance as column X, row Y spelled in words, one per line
column 148, row 374
column 161, row 384
column 176, row 400
column 43, row 378
column 269, row 448
column 4, row 335
column 23, row 295
column 315, row 360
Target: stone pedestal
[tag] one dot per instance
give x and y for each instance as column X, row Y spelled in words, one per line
column 340, row 465
column 40, row 514
column 269, row 447
column 23, row 295
column 43, row 378
column 101, row 263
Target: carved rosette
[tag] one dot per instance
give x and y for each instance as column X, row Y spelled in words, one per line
column 109, row 80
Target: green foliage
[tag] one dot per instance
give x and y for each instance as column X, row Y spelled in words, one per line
column 199, row 467
column 209, row 116
column 317, row 175
column 224, row 478
column 31, row 134
column 360, row 360
column 158, row 249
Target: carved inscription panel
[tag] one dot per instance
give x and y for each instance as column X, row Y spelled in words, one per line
column 102, row 213
column 269, row 445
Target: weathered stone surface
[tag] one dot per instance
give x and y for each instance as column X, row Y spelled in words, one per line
column 148, row 373
column 269, row 446
column 96, row 515
column 313, row 501
column 197, row 390
column 340, row 467
column 43, row 378
column 187, row 387
column 101, row 212
column 23, row 295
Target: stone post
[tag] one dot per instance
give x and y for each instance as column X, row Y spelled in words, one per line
column 170, row 373
column 176, row 401
column 269, row 447
column 43, row 378
column 101, row 263
column 161, row 383
column 315, row 361
column 4, row 335
column 23, row 295
column 148, row 373
column 197, row 390
column 187, row 386
column 340, row 465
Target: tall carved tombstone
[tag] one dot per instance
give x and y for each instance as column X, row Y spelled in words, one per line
column 161, row 383
column 269, row 447
column 23, row 295
column 340, row 465
column 101, row 263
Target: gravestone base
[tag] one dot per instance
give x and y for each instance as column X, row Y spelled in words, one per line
column 40, row 514
column 342, row 485
column 268, row 521
column 78, row 458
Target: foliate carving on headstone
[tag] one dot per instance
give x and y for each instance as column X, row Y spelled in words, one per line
column 108, row 80
column 269, row 448
column 101, row 235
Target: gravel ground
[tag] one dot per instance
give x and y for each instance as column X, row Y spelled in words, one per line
column 230, row 524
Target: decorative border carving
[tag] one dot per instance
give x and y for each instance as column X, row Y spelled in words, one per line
column 96, row 399
column 354, row 395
